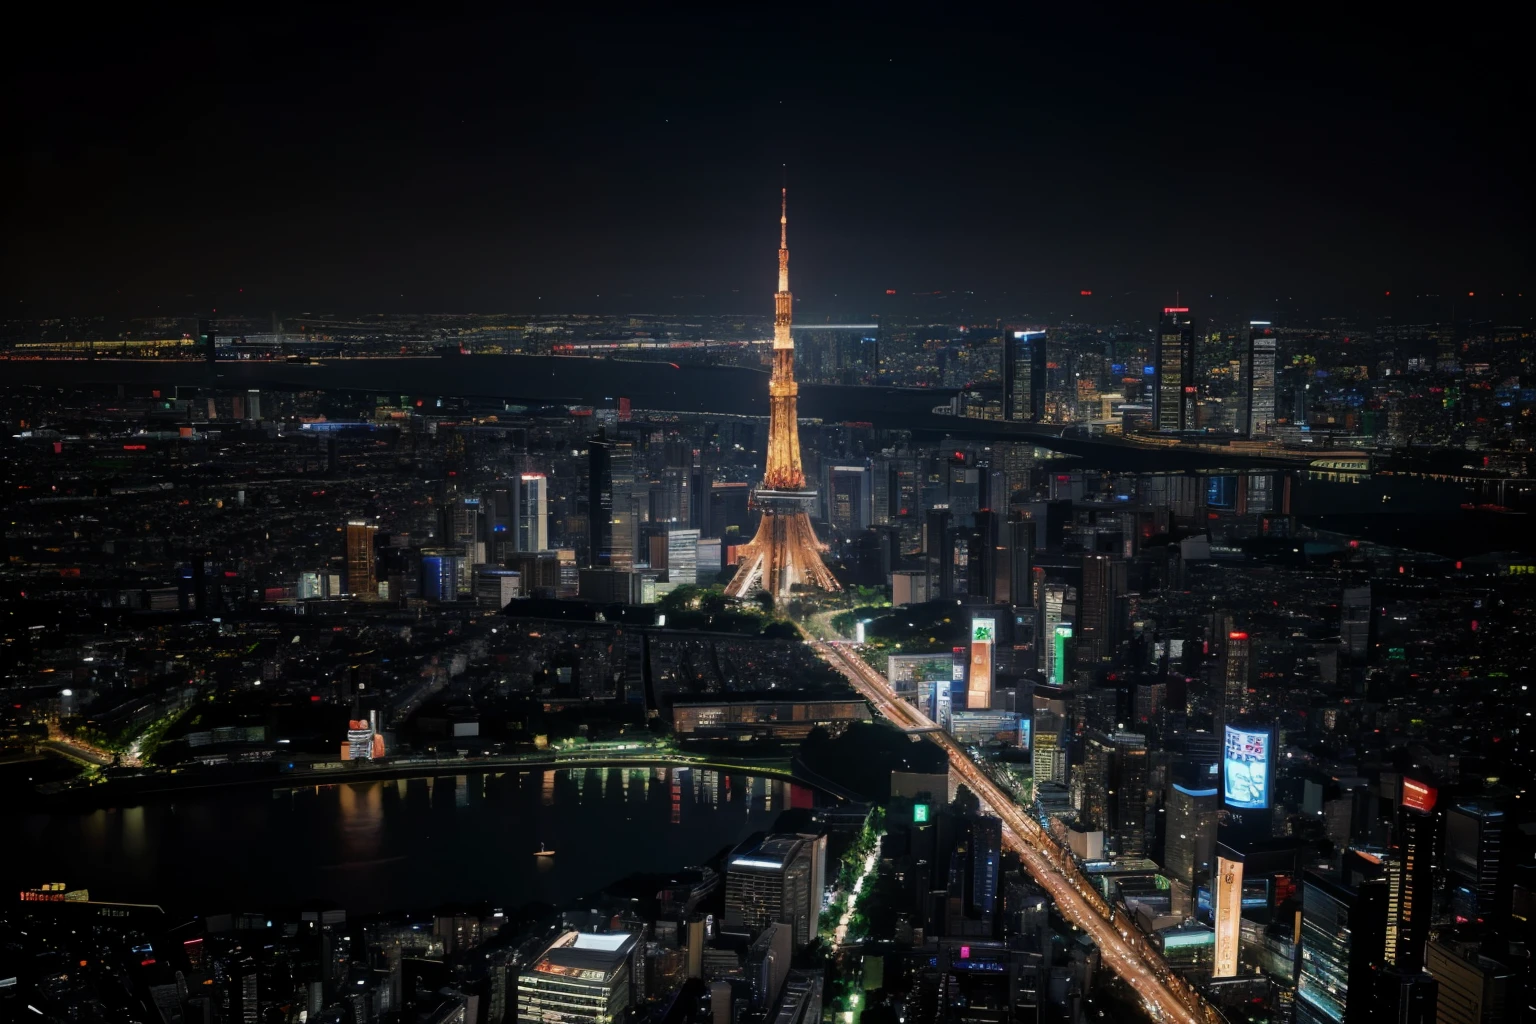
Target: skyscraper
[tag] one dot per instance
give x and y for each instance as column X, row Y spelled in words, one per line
column 1237, row 673
column 848, row 499
column 606, row 458
column 1048, row 735
column 1474, row 842
column 1115, row 790
column 776, row 878
column 1095, row 611
column 1024, row 369
column 1343, row 938
column 1174, row 394
column 785, row 550
column 1419, row 829
column 532, row 522
column 1262, row 353
column 362, row 581
column 580, row 978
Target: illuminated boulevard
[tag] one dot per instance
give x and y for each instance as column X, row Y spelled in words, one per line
column 1124, row 950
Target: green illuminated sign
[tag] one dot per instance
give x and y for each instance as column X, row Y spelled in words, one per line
column 919, row 813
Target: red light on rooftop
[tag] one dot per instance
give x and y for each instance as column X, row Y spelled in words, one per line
column 890, row 291
column 1470, row 294
column 1085, row 291
column 1237, row 636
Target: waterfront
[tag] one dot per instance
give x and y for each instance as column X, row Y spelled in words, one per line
column 391, row 844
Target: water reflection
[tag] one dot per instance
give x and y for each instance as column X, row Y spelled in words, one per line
column 403, row 842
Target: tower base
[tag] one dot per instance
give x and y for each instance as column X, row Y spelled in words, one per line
column 784, row 552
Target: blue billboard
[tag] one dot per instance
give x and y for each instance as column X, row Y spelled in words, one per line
column 1246, row 767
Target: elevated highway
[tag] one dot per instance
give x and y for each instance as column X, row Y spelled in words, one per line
column 1124, row 949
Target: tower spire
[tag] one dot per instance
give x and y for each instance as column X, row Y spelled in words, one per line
column 783, row 218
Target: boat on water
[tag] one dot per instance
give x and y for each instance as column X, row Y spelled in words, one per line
column 542, row 851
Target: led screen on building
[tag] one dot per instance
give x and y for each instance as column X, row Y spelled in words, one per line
column 1246, row 767
column 1228, row 886
column 978, row 694
column 1419, row 797
column 1062, row 641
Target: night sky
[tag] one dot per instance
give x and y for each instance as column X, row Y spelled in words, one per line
column 323, row 163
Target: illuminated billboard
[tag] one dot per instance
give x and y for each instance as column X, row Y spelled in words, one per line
column 1419, row 797
column 919, row 813
column 978, row 694
column 1228, row 886
column 1246, row 765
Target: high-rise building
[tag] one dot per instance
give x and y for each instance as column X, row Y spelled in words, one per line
column 785, row 550
column 441, row 569
column 1054, row 600
column 1174, row 393
column 1419, row 829
column 1048, row 735
column 495, row 586
column 847, row 502
column 1096, row 608
column 768, row 964
column 362, row 581
column 1262, row 354
column 776, row 879
column 531, row 526
column 682, row 548
column 1017, row 559
column 1024, row 367
column 580, row 978
column 610, row 479
column 1343, row 942
column 1115, row 790
column 1190, row 841
column 1473, row 989
column 1237, row 675
column 1355, row 623
column 1474, row 845
column 938, row 554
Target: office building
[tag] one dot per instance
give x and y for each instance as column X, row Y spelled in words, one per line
column 610, row 481
column 1114, row 791
column 1237, row 676
column 1024, row 373
column 495, row 586
column 441, row 569
column 362, row 579
column 1190, row 841
column 531, row 526
column 1474, row 842
column 776, row 879
column 847, row 501
column 1095, row 614
column 1048, row 735
column 1174, row 393
column 1343, row 940
column 768, row 964
column 1420, row 828
column 1262, row 354
column 580, row 978
column 1472, row 988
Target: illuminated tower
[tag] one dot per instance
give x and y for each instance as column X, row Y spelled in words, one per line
column 785, row 550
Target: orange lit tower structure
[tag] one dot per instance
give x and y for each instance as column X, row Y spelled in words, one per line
column 785, row 550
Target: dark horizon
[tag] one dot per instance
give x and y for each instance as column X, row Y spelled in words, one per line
column 400, row 165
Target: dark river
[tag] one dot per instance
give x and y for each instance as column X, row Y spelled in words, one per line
column 398, row 844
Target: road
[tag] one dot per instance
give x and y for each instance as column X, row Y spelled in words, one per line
column 1124, row 950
